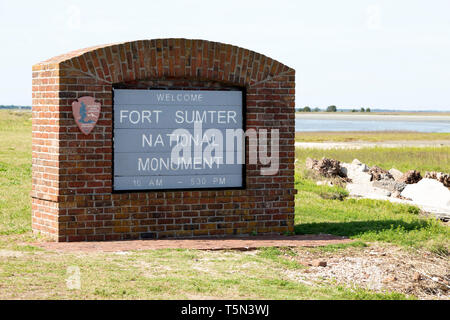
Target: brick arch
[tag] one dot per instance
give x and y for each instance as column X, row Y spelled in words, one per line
column 72, row 197
column 174, row 58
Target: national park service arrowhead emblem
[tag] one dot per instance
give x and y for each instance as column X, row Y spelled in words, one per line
column 86, row 112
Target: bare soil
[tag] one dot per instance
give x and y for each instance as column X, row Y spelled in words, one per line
column 236, row 243
column 379, row 268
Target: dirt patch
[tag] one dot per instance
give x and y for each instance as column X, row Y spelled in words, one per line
column 237, row 243
column 381, row 269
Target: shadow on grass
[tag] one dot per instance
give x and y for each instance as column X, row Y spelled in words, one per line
column 355, row 228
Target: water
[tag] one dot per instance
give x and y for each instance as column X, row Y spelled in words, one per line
column 370, row 125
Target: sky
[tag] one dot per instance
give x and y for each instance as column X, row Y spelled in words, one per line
column 391, row 54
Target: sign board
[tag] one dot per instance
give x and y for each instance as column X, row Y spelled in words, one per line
column 178, row 139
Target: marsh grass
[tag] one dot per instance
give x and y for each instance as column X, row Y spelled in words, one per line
column 401, row 158
column 369, row 136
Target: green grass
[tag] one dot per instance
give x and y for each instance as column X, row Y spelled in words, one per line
column 275, row 254
column 15, row 172
column 164, row 274
column 29, row 272
column 365, row 219
column 402, row 158
column 367, row 136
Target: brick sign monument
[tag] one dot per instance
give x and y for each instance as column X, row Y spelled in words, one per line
column 162, row 138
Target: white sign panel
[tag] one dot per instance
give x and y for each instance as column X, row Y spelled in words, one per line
column 177, row 139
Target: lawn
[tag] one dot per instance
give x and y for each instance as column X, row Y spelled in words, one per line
column 365, row 219
column 15, row 171
column 164, row 274
column 29, row 272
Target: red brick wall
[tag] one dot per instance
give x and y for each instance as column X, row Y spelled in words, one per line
column 72, row 173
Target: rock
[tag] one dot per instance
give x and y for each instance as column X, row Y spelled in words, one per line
column 344, row 168
column 417, row 276
column 319, row 263
column 366, row 190
column 378, row 173
column 410, row 177
column 324, row 183
column 361, row 177
column 328, row 167
column 356, row 165
column 325, row 167
column 397, row 174
column 390, row 185
column 443, row 178
column 310, row 163
column 428, row 192
column 360, row 166
column 396, row 194
column 390, row 279
column 357, row 173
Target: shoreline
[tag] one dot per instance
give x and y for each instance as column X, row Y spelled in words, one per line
column 373, row 117
column 364, row 144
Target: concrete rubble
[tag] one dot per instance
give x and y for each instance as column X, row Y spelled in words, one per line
column 431, row 193
column 410, row 177
column 396, row 174
column 428, row 192
column 379, row 174
column 444, row 178
column 325, row 167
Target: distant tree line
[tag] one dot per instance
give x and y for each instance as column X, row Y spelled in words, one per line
column 14, row 107
column 331, row 108
column 307, row 109
column 361, row 110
